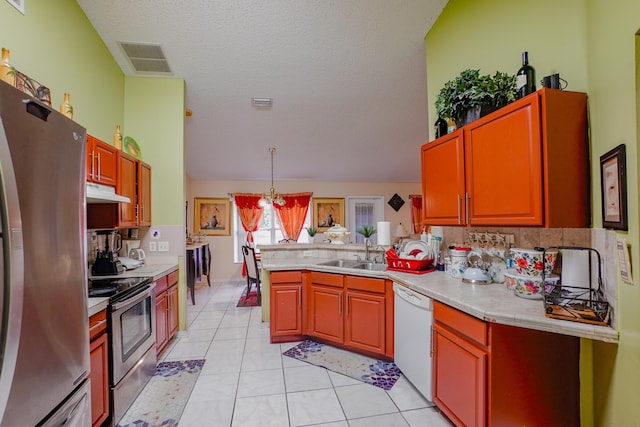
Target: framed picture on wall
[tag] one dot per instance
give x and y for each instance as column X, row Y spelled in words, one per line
column 327, row 213
column 212, row 216
column 613, row 178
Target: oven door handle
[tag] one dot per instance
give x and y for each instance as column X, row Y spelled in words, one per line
column 133, row 300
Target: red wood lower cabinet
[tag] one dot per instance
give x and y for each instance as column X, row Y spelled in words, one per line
column 459, row 378
column 99, row 375
column 162, row 309
column 326, row 313
column 365, row 321
column 487, row 374
column 353, row 312
column 286, row 301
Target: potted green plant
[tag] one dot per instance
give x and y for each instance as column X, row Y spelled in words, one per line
column 312, row 231
column 470, row 95
column 367, row 231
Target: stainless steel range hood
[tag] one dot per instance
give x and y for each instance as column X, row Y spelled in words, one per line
column 97, row 193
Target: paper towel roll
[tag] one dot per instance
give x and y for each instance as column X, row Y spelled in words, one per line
column 384, row 233
column 575, row 268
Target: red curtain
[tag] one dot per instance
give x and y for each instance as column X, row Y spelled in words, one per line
column 250, row 212
column 291, row 216
column 416, row 213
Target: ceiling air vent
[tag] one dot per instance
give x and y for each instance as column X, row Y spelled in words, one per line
column 145, row 58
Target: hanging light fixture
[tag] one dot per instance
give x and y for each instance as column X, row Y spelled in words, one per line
column 272, row 197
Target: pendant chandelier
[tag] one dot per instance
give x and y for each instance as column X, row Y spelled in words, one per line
column 272, row 197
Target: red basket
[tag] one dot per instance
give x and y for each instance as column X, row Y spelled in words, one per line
column 409, row 265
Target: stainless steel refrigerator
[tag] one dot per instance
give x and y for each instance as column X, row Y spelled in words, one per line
column 44, row 334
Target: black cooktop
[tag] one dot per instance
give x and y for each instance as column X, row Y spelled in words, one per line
column 118, row 288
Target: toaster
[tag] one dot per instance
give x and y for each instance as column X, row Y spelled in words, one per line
column 136, row 253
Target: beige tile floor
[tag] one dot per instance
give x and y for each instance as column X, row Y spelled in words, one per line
column 246, row 381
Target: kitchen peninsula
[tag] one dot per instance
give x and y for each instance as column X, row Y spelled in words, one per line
column 493, row 352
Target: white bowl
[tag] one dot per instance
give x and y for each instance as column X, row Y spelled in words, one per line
column 529, row 287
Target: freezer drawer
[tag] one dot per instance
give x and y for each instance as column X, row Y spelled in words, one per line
column 75, row 411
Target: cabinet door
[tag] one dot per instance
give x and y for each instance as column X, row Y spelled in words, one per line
column 459, row 378
column 365, row 321
column 325, row 313
column 286, row 309
column 144, row 194
column 504, row 169
column 105, row 156
column 162, row 309
column 127, row 187
column 99, row 376
column 172, row 300
column 443, row 180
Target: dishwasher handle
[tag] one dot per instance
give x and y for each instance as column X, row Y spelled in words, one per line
column 412, row 297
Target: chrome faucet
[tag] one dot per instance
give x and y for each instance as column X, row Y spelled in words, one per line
column 367, row 245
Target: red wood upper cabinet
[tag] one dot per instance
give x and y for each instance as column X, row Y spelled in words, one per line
column 443, row 180
column 525, row 164
column 144, row 194
column 101, row 162
column 134, row 182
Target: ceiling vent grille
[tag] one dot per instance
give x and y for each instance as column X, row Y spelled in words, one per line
column 145, row 58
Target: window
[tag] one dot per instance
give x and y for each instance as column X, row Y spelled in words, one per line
column 267, row 234
column 364, row 211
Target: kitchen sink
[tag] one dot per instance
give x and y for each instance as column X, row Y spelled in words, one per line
column 360, row 265
column 344, row 263
column 371, row 266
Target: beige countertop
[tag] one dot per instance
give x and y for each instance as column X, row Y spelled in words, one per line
column 155, row 271
column 492, row 303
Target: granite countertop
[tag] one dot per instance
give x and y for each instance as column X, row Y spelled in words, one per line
column 155, row 271
column 492, row 303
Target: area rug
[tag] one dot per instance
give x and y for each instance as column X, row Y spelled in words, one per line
column 250, row 301
column 164, row 397
column 366, row 369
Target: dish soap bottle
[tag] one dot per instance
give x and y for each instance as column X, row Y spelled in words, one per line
column 423, row 235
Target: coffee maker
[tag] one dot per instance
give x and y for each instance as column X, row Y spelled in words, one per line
column 107, row 262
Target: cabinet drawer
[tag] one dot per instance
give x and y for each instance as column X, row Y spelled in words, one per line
column 365, row 284
column 286, row 277
column 462, row 323
column 161, row 285
column 172, row 278
column 97, row 324
column 327, row 279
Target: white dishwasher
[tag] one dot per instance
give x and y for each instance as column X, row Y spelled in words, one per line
column 413, row 318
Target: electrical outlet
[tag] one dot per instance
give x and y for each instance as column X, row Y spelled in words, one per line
column 163, row 246
column 307, row 253
column 510, row 239
column 153, row 246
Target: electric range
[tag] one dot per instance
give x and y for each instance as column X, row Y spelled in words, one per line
column 117, row 289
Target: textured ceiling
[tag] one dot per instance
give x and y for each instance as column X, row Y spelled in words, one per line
column 347, row 78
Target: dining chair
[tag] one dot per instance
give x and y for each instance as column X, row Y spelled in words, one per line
column 253, row 272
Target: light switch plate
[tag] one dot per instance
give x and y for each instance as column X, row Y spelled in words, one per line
column 153, row 246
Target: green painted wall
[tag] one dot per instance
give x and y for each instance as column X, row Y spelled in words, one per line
column 54, row 43
column 593, row 45
column 154, row 111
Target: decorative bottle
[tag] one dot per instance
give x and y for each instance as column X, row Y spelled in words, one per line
column 117, row 138
column 66, row 108
column 440, row 127
column 7, row 72
column 525, row 78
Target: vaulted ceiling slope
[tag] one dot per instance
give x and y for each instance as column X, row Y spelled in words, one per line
column 347, row 79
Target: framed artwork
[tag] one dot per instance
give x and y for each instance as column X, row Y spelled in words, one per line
column 613, row 178
column 327, row 213
column 212, row 216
